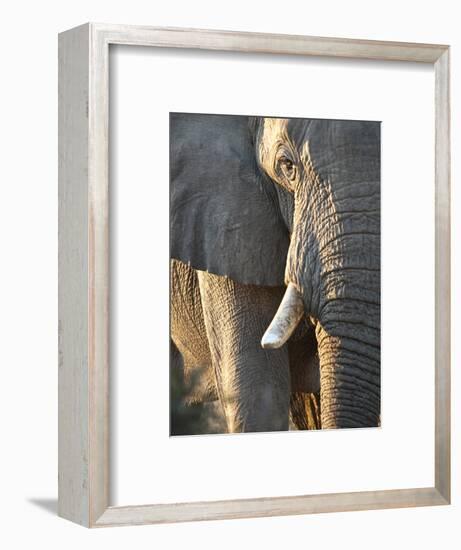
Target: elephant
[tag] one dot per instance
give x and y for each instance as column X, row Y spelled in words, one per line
column 275, row 267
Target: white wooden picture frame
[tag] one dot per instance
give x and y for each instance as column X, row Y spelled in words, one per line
column 84, row 451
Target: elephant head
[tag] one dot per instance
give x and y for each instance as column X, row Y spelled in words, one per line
column 332, row 170
column 295, row 202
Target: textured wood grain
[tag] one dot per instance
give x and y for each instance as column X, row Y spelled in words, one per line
column 442, row 275
column 270, row 43
column 98, row 274
column 74, row 456
column 278, row 506
column 84, row 483
column 83, row 276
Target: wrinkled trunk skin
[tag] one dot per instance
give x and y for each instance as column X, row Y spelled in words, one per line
column 350, row 396
column 338, row 275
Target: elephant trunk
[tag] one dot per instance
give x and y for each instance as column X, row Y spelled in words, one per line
column 346, row 307
column 349, row 379
column 348, row 335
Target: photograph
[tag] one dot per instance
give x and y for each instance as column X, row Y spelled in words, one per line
column 275, row 273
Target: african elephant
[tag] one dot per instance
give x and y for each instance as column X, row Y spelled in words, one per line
column 275, row 237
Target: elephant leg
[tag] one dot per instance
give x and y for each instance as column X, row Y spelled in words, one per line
column 189, row 334
column 253, row 384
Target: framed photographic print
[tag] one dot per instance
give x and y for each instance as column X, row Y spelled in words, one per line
column 254, row 281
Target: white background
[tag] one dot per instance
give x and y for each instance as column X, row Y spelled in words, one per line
column 28, row 218
column 151, row 467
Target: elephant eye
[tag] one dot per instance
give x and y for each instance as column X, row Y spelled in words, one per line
column 287, row 168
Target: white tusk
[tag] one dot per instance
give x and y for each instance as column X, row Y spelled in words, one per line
column 286, row 319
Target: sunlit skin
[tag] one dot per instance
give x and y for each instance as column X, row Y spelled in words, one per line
column 334, row 255
column 263, row 204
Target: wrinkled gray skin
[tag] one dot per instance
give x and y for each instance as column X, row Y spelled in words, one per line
column 217, row 325
column 257, row 203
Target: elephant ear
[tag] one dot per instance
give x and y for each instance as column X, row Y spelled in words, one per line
column 223, row 218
